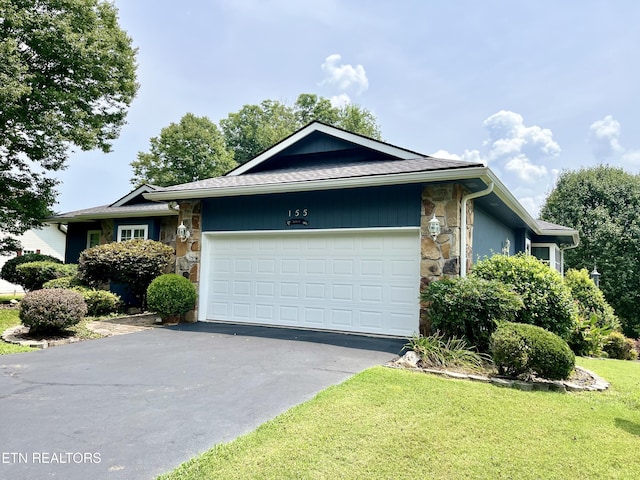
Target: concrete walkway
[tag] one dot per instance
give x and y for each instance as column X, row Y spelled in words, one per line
column 135, row 406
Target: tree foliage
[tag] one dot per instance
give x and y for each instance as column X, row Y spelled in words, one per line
column 193, row 149
column 603, row 204
column 255, row 128
column 67, row 77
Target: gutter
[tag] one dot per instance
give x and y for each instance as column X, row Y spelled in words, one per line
column 463, row 225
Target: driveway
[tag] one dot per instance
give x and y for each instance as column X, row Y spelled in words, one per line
column 136, row 406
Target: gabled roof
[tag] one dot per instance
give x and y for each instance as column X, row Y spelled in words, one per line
column 133, row 204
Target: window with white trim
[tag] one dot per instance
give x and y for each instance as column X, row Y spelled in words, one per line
column 93, row 238
column 132, row 232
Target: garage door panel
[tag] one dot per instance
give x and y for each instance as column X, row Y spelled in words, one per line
column 352, row 281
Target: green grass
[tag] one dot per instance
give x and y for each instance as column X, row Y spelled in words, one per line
column 9, row 318
column 386, row 423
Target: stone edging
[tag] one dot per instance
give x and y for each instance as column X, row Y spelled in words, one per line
column 539, row 385
column 10, row 336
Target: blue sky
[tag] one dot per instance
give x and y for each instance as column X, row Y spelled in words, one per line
column 531, row 88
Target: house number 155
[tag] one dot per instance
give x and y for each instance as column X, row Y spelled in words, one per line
column 299, row 212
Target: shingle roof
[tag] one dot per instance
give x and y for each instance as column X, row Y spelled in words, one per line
column 140, row 209
column 327, row 171
column 551, row 226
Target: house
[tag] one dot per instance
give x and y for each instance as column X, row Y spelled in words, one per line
column 329, row 230
column 50, row 240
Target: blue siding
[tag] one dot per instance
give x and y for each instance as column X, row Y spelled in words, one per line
column 394, row 206
column 77, row 239
column 489, row 235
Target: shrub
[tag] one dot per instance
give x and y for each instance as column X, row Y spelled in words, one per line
column 52, row 310
column 436, row 351
column 33, row 275
column 618, row 346
column 171, row 294
column 547, row 300
column 588, row 337
column 99, row 302
column 524, row 350
column 134, row 263
column 470, row 308
column 63, row 282
column 8, row 271
column 590, row 299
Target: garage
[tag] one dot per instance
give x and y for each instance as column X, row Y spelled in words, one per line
column 352, row 280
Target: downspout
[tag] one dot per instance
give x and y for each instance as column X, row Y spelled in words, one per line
column 463, row 226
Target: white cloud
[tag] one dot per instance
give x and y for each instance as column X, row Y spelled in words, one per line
column 509, row 136
column 446, row 155
column 467, row 156
column 344, row 76
column 525, row 170
column 604, row 138
column 341, row 100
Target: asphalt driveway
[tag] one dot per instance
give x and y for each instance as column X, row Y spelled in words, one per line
column 135, row 406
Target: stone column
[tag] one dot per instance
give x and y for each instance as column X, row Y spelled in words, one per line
column 188, row 251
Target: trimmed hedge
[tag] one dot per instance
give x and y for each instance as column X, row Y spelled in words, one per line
column 63, row 282
column 134, row 263
column 8, row 271
column 547, row 300
column 521, row 350
column 171, row 294
column 617, row 346
column 99, row 302
column 33, row 275
column 52, row 310
column 470, row 308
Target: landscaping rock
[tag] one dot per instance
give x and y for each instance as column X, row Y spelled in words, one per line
column 410, row 359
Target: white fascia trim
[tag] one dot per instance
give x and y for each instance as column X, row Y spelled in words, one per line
column 334, row 132
column 332, row 184
column 103, row 216
column 131, row 195
column 512, row 202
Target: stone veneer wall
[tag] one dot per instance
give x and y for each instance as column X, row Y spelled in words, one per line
column 441, row 258
column 188, row 252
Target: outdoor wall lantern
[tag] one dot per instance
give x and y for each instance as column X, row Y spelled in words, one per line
column 595, row 276
column 506, row 247
column 183, row 233
column 434, row 227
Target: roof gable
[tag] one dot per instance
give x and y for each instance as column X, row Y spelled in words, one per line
column 135, row 197
column 305, row 146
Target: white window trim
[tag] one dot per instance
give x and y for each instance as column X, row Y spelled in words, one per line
column 554, row 260
column 89, row 233
column 133, row 227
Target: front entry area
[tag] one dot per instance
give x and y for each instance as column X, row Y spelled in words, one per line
column 351, row 280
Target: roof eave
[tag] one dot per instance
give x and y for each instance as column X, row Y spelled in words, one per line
column 107, row 215
column 330, row 184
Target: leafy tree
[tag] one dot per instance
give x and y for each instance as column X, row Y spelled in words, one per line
column 67, row 77
column 603, row 204
column 190, row 150
column 256, row 128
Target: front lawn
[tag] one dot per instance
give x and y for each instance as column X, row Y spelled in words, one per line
column 9, row 318
column 386, row 423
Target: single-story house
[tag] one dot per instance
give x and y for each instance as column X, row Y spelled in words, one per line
column 327, row 230
column 50, row 239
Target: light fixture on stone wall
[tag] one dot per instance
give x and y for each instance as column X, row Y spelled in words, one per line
column 434, row 227
column 183, row 233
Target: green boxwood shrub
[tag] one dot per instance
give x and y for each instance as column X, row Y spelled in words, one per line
column 522, row 350
column 63, row 282
column 52, row 310
column 99, row 302
column 470, row 308
column 33, row 275
column 8, row 271
column 547, row 300
column 134, row 263
column 171, row 294
column 617, row 346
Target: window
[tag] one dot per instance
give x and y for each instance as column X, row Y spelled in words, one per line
column 550, row 254
column 93, row 238
column 132, row 232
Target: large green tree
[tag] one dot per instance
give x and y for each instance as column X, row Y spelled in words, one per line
column 254, row 128
column 67, row 77
column 603, row 204
column 190, row 150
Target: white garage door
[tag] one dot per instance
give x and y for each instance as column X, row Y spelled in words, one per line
column 348, row 280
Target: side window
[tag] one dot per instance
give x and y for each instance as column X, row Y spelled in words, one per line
column 93, row 238
column 132, row 232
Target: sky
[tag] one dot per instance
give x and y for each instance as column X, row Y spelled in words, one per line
column 530, row 88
